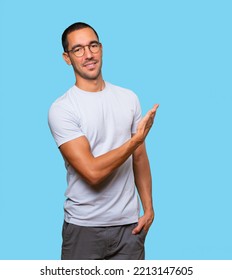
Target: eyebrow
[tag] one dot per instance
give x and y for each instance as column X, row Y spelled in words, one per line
column 79, row 45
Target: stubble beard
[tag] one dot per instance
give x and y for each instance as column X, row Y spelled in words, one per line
column 89, row 76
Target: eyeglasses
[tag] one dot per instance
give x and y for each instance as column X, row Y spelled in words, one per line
column 80, row 50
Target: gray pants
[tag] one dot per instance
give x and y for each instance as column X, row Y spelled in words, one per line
column 99, row 243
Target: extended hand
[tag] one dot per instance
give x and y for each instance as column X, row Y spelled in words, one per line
column 146, row 123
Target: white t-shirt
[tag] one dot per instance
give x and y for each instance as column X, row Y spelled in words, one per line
column 107, row 119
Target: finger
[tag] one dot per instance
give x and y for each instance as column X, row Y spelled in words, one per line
column 146, row 228
column 153, row 111
column 155, row 107
column 138, row 228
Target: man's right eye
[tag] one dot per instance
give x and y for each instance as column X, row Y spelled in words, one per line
column 77, row 50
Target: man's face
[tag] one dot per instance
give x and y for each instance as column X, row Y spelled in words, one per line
column 89, row 65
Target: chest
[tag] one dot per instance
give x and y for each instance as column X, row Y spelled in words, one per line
column 106, row 120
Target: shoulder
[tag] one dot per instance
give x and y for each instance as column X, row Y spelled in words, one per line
column 121, row 90
column 62, row 102
column 62, row 107
column 63, row 99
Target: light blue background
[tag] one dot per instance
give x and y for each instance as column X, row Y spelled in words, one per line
column 175, row 53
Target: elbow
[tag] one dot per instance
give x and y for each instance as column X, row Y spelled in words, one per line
column 93, row 182
column 93, row 178
column 90, row 174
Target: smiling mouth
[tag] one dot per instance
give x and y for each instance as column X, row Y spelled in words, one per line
column 90, row 64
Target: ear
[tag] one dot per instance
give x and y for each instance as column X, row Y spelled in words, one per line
column 102, row 49
column 66, row 58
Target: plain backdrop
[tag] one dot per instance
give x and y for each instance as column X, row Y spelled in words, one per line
column 173, row 52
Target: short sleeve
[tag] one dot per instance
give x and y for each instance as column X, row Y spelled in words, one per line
column 137, row 114
column 64, row 124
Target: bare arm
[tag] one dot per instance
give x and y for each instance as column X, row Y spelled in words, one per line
column 95, row 169
column 143, row 183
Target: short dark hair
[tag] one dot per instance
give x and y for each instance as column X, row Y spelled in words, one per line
column 73, row 27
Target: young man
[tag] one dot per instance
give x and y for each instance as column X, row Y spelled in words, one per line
column 99, row 131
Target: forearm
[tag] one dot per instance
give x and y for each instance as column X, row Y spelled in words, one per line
column 143, row 179
column 95, row 169
column 102, row 166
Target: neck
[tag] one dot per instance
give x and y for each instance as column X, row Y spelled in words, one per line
column 91, row 85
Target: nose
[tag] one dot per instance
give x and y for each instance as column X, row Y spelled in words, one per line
column 88, row 53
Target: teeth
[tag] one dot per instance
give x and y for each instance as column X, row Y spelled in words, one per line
column 90, row 65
